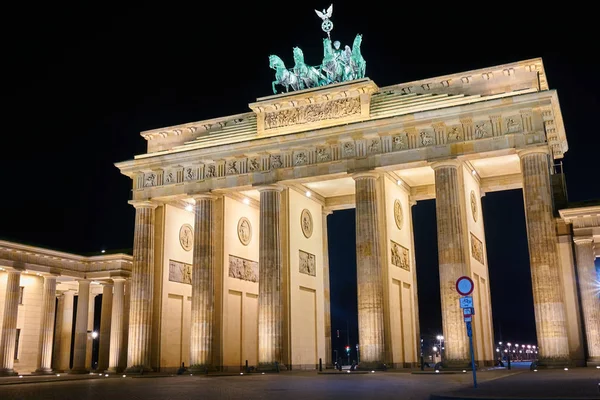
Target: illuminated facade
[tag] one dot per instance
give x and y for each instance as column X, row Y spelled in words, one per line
column 230, row 258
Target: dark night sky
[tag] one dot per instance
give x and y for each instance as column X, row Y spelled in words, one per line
column 81, row 82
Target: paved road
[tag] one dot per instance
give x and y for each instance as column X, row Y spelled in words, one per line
column 310, row 386
column 285, row 386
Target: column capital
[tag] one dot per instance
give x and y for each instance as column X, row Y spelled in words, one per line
column 583, row 239
column 204, row 196
column 270, row 188
column 366, row 174
column 118, row 279
column 451, row 162
column 143, row 204
column 533, row 150
column 326, row 211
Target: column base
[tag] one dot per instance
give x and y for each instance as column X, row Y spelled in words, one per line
column 8, row 372
column 593, row 361
column 271, row 367
column 43, row 371
column 113, row 370
column 451, row 365
column 79, row 371
column 552, row 363
column 372, row 366
column 201, row 369
column 138, row 369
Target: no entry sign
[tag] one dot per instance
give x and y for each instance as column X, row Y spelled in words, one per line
column 464, row 286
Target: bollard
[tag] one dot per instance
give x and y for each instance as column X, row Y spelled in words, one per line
column 320, row 365
column 422, row 363
column 246, row 366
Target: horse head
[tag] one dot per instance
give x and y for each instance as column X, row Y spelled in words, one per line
column 356, row 44
column 275, row 62
column 327, row 48
column 298, row 56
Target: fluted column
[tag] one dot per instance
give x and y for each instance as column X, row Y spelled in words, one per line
column 60, row 308
column 452, row 259
column 326, row 292
column 142, row 286
column 270, row 311
column 9, row 323
column 90, row 329
column 105, row 324
column 202, row 284
column 62, row 355
column 47, row 325
column 81, row 324
column 369, row 272
column 126, row 307
column 548, row 298
column 588, row 290
column 116, row 325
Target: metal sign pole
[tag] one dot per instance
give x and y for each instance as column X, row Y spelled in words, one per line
column 470, row 334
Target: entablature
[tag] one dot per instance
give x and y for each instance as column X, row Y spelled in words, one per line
column 501, row 124
column 30, row 258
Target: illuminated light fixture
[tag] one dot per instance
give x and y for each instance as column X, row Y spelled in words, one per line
column 566, row 369
column 124, row 376
column 20, row 376
column 246, row 201
column 102, row 251
column 241, row 373
column 191, row 374
column 348, row 371
column 399, row 181
column 308, row 193
column 374, row 371
column 94, row 336
column 263, row 373
column 57, row 374
column 474, row 172
column 106, row 375
column 535, row 370
column 437, row 371
column 464, row 370
column 500, row 343
column 598, row 366
column 189, row 208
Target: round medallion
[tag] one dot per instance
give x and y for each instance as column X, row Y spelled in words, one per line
column 186, row 237
column 306, row 223
column 244, row 230
column 474, row 206
column 398, row 216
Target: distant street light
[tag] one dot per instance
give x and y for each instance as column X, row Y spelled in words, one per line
column 94, row 335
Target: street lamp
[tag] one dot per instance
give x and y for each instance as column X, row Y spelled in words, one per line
column 94, row 335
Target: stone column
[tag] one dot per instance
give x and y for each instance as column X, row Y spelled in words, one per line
column 116, row 325
column 142, row 287
column 369, row 273
column 202, row 284
column 63, row 356
column 9, row 324
column 47, row 325
column 270, row 310
column 588, row 290
column 105, row 323
column 126, row 308
column 326, row 292
column 90, row 329
column 60, row 308
column 81, row 324
column 548, row 299
column 450, row 216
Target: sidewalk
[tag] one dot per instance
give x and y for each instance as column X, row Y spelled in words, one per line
column 575, row 384
column 61, row 377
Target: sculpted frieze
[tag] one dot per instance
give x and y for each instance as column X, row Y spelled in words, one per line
column 190, row 174
column 374, row 146
column 399, row 256
column 323, row 154
column 150, row 179
column 307, row 263
column 399, row 142
column 477, row 248
column 180, row 272
column 253, row 164
column 349, row 149
column 300, row 158
column 232, row 168
column 170, row 177
column 482, row 129
column 455, row 133
column 312, row 113
column 276, row 161
column 243, row 269
column 513, row 124
column 427, row 138
column 210, row 171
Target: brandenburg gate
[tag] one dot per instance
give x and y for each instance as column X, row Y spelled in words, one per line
column 230, row 256
column 230, row 252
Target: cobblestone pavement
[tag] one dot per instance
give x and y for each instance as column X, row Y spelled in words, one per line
column 285, row 386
